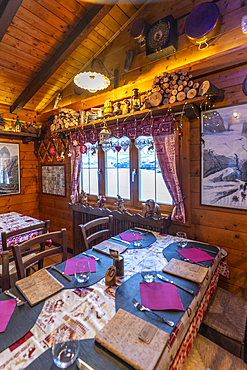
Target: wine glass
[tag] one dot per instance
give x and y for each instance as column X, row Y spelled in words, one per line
column 148, row 269
column 181, row 239
column 65, row 348
column 82, row 270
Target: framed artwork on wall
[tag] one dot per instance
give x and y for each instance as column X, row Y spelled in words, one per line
column 9, row 169
column 224, row 157
column 53, row 179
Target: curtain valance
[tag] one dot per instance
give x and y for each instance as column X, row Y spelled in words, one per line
column 151, row 126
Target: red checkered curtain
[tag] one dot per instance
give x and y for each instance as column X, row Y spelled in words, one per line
column 165, row 149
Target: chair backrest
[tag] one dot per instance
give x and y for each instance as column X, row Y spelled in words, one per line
column 43, row 225
column 99, row 233
column 19, row 249
column 4, row 279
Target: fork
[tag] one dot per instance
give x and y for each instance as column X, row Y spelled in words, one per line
column 142, row 308
column 91, row 255
column 188, row 260
column 19, row 302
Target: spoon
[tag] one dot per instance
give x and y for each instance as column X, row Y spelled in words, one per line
column 19, row 302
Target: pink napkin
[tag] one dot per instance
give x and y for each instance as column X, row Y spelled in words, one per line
column 6, row 309
column 129, row 237
column 70, row 265
column 195, row 255
column 160, row 296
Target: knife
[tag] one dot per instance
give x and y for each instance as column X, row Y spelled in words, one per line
column 120, row 240
column 82, row 365
column 161, row 277
column 62, row 273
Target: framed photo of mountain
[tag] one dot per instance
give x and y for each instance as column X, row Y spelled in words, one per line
column 9, row 169
column 224, row 157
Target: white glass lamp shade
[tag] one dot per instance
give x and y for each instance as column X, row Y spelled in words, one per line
column 91, row 81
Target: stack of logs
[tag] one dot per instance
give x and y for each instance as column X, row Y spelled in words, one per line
column 172, row 87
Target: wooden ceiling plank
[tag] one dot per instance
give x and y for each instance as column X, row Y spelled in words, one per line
column 111, row 23
column 22, row 46
column 97, row 38
column 14, row 74
column 31, row 61
column 30, row 40
column 47, row 16
column 60, row 11
column 79, row 57
column 128, row 8
column 42, row 25
column 75, row 7
column 8, row 9
column 95, row 15
column 11, row 63
column 104, row 31
column 119, row 16
column 19, row 24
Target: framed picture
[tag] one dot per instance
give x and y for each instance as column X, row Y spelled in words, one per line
column 224, row 157
column 9, row 169
column 53, row 179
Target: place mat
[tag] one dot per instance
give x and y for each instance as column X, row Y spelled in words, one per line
column 105, row 246
column 90, row 352
column 38, row 286
column 6, row 308
column 187, row 270
column 195, row 255
column 131, row 289
column 152, row 296
column 101, row 267
column 149, row 238
column 171, row 251
column 21, row 322
column 122, row 334
column 70, row 265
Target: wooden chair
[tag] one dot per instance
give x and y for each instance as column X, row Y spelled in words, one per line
column 225, row 322
column 99, row 233
column 19, row 249
column 4, row 277
column 5, row 236
column 205, row 354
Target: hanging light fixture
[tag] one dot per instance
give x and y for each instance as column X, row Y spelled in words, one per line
column 93, row 81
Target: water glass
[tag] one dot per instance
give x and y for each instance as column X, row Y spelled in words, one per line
column 82, row 270
column 137, row 242
column 181, row 239
column 148, row 269
column 65, row 348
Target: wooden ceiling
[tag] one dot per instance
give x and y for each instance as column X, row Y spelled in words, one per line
column 44, row 43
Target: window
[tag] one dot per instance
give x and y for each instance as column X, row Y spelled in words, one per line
column 127, row 169
column 151, row 183
column 89, row 170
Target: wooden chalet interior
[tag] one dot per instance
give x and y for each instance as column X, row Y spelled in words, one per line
column 46, row 42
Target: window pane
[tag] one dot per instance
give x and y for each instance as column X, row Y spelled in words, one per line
column 89, row 178
column 117, row 171
column 152, row 185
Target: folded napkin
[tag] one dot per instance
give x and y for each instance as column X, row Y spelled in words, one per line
column 129, row 237
column 160, row 296
column 195, row 255
column 6, row 308
column 70, row 265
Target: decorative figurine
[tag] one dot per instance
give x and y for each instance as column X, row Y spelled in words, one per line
column 83, row 198
column 150, row 208
column 120, row 204
column 126, row 107
column 100, row 201
column 117, row 108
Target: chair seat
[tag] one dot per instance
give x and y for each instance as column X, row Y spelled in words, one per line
column 227, row 314
column 205, row 354
column 225, row 321
column 12, row 267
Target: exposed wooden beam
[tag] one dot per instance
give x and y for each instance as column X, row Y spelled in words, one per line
column 80, row 32
column 8, row 9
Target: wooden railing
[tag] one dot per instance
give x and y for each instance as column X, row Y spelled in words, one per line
column 122, row 222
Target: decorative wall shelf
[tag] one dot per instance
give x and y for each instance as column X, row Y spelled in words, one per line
column 190, row 108
column 24, row 136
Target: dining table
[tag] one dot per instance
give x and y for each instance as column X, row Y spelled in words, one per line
column 13, row 221
column 87, row 308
